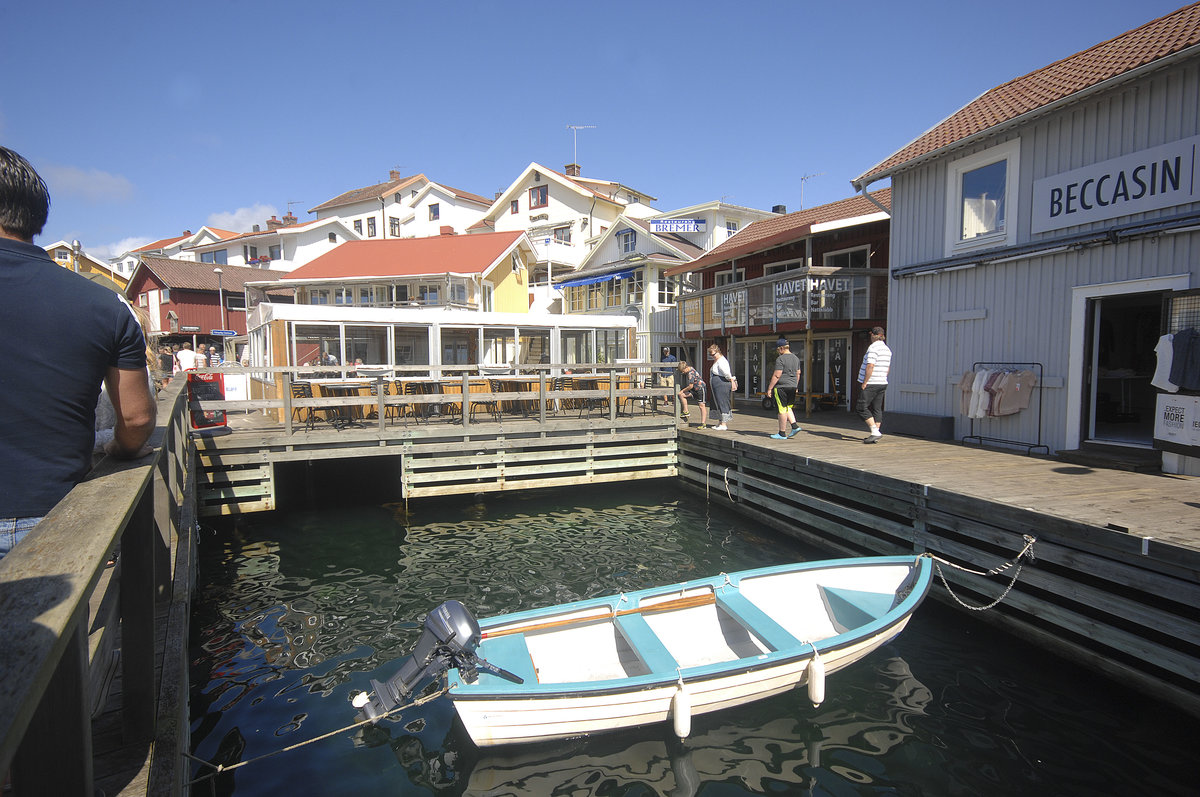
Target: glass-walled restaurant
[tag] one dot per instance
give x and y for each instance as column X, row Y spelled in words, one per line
column 424, row 341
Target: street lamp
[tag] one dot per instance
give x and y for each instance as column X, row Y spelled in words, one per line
column 220, row 294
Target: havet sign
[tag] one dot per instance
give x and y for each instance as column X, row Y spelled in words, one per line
column 1152, row 179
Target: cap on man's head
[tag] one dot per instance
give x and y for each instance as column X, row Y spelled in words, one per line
column 781, row 343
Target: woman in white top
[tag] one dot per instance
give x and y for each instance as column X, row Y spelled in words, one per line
column 723, row 383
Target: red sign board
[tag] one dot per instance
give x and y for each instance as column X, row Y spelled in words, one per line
column 206, row 387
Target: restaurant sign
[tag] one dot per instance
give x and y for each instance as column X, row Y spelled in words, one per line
column 678, row 225
column 1150, row 179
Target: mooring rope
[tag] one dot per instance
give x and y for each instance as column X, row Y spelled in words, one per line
column 220, row 768
column 1026, row 551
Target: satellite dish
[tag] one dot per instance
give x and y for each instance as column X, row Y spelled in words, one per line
column 634, row 310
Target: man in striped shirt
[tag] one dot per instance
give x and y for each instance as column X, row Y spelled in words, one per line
column 872, row 377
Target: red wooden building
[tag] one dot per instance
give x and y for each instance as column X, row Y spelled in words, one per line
column 817, row 277
column 183, row 298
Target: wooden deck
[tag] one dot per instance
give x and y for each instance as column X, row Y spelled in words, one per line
column 1115, row 585
column 1164, row 508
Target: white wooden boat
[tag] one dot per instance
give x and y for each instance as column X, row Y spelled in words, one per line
column 662, row 653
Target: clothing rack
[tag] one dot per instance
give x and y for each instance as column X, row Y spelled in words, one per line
column 1029, row 447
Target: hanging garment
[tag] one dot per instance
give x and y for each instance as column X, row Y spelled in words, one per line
column 978, row 399
column 1165, row 351
column 1185, row 360
column 990, row 389
column 964, row 397
column 1018, row 390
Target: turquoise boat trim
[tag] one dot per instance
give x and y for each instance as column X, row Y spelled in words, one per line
column 758, row 622
column 495, row 688
column 646, row 644
column 854, row 609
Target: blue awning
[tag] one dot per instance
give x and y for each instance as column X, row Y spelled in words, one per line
column 616, row 275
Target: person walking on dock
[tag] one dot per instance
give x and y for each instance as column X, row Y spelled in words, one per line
column 49, row 389
column 873, row 378
column 782, row 389
column 723, row 384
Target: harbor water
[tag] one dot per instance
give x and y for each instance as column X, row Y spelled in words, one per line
column 297, row 610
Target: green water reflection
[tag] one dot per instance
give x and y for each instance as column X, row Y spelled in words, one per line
column 295, row 611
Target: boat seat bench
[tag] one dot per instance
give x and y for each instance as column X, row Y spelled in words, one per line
column 514, row 653
column 757, row 621
column 645, row 643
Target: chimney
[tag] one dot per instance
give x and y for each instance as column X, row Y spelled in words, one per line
column 781, row 209
column 393, row 175
column 288, row 220
column 446, row 229
column 274, row 223
column 256, row 228
column 572, row 169
column 187, row 232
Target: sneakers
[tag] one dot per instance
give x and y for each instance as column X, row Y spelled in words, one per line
column 684, row 416
column 778, row 436
column 872, row 438
column 795, row 430
column 721, row 428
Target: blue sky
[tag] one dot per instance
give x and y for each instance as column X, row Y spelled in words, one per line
column 149, row 118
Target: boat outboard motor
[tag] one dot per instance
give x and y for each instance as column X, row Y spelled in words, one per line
column 448, row 640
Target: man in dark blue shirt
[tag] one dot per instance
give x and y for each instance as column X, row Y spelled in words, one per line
column 74, row 335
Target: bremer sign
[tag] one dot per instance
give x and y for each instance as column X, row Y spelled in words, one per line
column 1152, row 179
column 678, row 225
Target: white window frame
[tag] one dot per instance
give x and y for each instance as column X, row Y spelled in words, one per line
column 825, row 258
column 1010, row 152
column 722, row 278
column 627, row 241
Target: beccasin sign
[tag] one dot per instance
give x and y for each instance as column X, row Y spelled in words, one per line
column 1150, row 179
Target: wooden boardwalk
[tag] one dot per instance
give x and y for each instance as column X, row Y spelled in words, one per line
column 1162, row 507
column 1115, row 585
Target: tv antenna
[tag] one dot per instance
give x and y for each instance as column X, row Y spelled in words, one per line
column 575, row 131
column 293, row 202
column 804, row 180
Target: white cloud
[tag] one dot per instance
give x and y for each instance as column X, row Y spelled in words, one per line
column 105, row 251
column 91, row 185
column 243, row 219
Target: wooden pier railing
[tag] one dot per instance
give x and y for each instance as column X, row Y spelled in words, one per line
column 298, row 395
column 61, row 609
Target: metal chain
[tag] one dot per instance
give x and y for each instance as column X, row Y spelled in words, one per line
column 1026, row 551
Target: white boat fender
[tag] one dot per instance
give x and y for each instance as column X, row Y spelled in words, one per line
column 815, row 675
column 681, row 711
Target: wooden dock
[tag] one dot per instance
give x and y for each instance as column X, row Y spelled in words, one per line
column 1116, row 580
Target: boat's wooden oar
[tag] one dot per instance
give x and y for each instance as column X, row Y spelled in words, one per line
column 665, row 606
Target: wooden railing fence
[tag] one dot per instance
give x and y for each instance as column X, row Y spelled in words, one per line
column 55, row 595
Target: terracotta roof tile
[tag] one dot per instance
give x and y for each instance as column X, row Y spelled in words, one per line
column 768, row 233
column 1157, row 39
column 162, row 244
column 192, row 276
column 370, row 192
column 408, row 257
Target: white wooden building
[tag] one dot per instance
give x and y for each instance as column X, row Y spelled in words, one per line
column 1055, row 220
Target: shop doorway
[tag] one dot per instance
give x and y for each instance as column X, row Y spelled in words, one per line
column 1119, row 399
